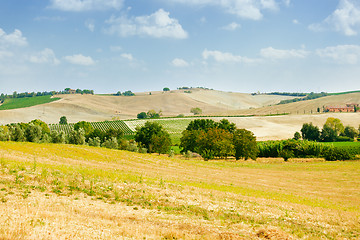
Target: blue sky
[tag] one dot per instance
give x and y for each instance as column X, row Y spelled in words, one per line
column 145, row 45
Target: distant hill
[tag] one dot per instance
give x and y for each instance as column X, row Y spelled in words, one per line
column 79, row 107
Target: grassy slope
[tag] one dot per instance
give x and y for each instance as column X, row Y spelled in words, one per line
column 15, row 103
column 83, row 192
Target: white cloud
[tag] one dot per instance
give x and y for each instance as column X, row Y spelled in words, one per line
column 6, row 54
column 127, row 56
column 219, row 56
column 287, row 2
column 232, row 26
column 343, row 54
column 178, row 62
column 90, row 25
column 272, row 53
column 86, row 5
column 295, row 21
column 12, row 39
column 249, row 9
column 45, row 56
column 80, row 59
column 115, row 48
column 157, row 25
column 345, row 19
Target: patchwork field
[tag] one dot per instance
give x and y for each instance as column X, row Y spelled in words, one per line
column 50, row 191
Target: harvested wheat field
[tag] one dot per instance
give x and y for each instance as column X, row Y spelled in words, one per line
column 51, row 191
column 79, row 107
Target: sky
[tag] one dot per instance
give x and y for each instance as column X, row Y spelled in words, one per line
column 146, row 45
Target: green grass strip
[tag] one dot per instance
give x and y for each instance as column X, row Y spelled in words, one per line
column 14, row 103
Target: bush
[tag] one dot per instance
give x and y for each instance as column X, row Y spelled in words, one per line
column 111, row 143
column 344, row 139
column 76, row 137
column 196, row 111
column 33, row 133
column 94, row 142
column 57, row 137
column 335, row 153
column 142, row 115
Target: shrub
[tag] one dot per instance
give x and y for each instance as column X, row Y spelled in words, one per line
column 111, row 143
column 142, row 115
column 196, row 111
column 57, row 137
column 76, row 137
column 33, row 133
column 94, row 142
column 335, row 153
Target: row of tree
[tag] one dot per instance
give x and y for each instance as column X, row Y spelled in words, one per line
column 126, row 93
column 333, row 130
column 45, row 93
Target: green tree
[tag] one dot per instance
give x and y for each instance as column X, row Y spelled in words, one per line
column 153, row 114
column 4, row 133
column 196, row 111
column 245, row 144
column 58, row 137
column 63, row 120
column 328, row 134
column 84, row 125
column 142, row 115
column 335, row 124
column 111, row 143
column 297, row 136
column 201, row 124
column 188, row 140
column 310, row 132
column 351, row 132
column 226, row 125
column 160, row 143
column 44, row 127
column 17, row 133
column 33, row 133
column 215, row 142
column 77, row 137
column 166, row 89
column 145, row 135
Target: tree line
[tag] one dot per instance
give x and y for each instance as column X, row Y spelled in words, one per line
column 38, row 94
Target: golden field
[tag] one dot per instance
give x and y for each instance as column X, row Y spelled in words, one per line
column 50, row 191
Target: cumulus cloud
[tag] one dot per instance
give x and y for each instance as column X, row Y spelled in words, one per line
column 178, row 62
column 12, row 39
column 86, row 5
column 79, row 59
column 287, row 2
column 232, row 26
column 249, row 9
column 45, row 56
column 90, row 25
column 272, row 53
column 157, row 25
column 127, row 56
column 343, row 54
column 224, row 57
column 5, row 54
column 345, row 19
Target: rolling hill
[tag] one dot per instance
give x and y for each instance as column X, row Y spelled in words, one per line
column 215, row 103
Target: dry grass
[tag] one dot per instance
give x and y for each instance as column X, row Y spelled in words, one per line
column 50, row 191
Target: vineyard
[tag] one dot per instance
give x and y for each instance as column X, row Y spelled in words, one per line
column 67, row 128
column 170, row 125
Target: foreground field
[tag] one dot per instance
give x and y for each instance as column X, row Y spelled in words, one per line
column 50, row 191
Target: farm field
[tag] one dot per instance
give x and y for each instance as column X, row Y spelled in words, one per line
column 51, row 191
column 14, row 103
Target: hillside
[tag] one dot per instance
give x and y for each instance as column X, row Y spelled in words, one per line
column 51, row 191
column 99, row 107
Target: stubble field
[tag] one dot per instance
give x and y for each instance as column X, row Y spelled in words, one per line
column 50, row 191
